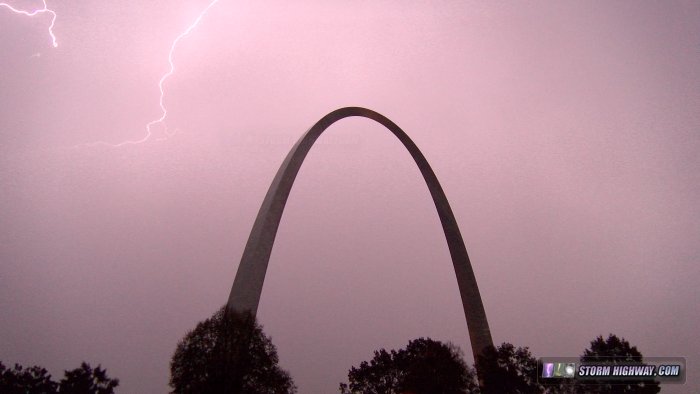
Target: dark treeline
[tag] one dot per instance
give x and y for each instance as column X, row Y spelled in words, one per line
column 37, row 380
column 229, row 353
column 426, row 366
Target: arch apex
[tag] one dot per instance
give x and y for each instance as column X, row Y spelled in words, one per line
column 248, row 283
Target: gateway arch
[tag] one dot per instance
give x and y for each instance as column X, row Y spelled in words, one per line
column 248, row 284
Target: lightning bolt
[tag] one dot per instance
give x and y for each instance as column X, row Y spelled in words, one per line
column 44, row 10
column 161, row 83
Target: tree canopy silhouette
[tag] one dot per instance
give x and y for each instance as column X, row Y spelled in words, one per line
column 425, row 366
column 36, row 380
column 87, row 380
column 20, row 380
column 615, row 350
column 228, row 353
column 507, row 369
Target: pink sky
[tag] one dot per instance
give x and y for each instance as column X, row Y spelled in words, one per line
column 565, row 134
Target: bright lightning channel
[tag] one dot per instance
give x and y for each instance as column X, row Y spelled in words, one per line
column 161, row 83
column 44, row 10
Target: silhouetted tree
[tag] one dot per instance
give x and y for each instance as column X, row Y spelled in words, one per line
column 36, row 380
column 32, row 380
column 508, row 370
column 425, row 366
column 85, row 380
column 615, row 350
column 228, row 353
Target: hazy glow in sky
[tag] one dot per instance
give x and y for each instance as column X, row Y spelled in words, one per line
column 565, row 135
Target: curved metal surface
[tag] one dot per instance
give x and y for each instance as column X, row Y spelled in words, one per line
column 247, row 287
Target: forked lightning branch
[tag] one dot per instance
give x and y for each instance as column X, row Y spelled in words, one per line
column 39, row 11
column 161, row 82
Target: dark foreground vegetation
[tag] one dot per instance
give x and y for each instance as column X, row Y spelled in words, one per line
column 229, row 353
column 36, row 380
column 426, row 366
